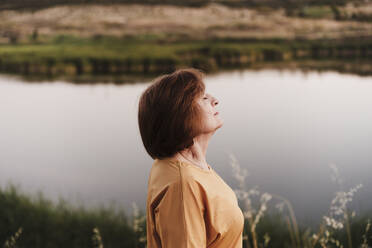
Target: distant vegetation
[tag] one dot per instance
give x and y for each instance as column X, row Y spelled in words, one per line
column 74, row 56
column 16, row 4
column 300, row 8
column 120, row 40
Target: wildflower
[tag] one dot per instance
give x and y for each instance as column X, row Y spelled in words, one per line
column 11, row 242
column 266, row 239
column 338, row 217
column 338, row 205
column 353, row 214
column 245, row 195
column 315, row 236
column 239, row 173
column 96, row 238
column 365, row 239
column 335, row 175
column 139, row 223
column 338, row 208
column 333, row 222
column 280, row 206
column 264, row 199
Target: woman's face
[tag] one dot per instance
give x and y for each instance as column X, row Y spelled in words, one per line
column 211, row 117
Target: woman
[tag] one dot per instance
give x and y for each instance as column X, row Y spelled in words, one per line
column 188, row 203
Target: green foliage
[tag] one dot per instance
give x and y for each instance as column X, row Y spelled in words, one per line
column 45, row 224
column 275, row 227
column 315, row 12
column 72, row 56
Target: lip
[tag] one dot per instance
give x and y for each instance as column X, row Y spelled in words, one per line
column 216, row 113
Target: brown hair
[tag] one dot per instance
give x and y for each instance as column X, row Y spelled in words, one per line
column 168, row 114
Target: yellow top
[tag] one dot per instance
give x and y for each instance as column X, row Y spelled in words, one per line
column 191, row 207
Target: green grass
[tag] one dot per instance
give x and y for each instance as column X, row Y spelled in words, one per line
column 318, row 12
column 69, row 56
column 45, row 224
column 116, row 48
column 29, row 221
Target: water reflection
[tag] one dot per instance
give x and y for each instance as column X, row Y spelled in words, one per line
column 285, row 127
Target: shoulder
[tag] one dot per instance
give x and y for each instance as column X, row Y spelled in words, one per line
column 174, row 170
column 187, row 182
column 172, row 175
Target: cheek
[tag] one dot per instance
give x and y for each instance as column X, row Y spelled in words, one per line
column 204, row 112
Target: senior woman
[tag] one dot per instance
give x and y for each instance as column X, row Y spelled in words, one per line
column 188, row 204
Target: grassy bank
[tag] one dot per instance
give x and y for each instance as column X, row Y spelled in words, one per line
column 270, row 221
column 70, row 56
column 275, row 231
column 45, row 224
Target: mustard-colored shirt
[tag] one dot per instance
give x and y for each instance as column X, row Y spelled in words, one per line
column 191, row 207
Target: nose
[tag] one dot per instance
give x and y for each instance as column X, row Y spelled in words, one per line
column 215, row 101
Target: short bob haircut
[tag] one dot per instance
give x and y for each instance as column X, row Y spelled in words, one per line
column 168, row 114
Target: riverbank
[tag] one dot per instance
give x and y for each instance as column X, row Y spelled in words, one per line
column 78, row 59
column 124, row 42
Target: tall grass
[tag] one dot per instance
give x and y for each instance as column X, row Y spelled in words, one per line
column 45, row 224
column 96, row 238
column 335, row 230
column 11, row 242
column 27, row 222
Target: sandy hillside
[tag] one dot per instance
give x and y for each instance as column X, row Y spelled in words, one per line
column 210, row 21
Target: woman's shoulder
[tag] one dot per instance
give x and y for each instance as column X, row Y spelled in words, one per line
column 169, row 172
column 172, row 170
column 173, row 179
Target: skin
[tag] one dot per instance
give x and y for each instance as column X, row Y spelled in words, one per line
column 196, row 154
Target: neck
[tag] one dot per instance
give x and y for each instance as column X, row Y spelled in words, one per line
column 197, row 152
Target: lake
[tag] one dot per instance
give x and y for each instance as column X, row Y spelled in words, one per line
column 82, row 143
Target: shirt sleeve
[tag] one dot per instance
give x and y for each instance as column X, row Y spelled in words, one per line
column 179, row 217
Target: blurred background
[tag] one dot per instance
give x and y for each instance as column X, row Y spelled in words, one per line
column 294, row 82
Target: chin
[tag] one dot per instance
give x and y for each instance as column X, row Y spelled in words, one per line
column 219, row 126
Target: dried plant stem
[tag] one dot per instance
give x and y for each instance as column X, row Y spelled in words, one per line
column 306, row 240
column 246, row 238
column 253, row 232
column 348, row 229
column 293, row 219
column 365, row 239
column 321, row 231
column 96, row 238
column 290, row 231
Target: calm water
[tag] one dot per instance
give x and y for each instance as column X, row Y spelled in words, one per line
column 81, row 142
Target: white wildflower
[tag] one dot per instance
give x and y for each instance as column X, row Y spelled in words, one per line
column 333, row 222
column 335, row 175
column 353, row 214
column 365, row 239
column 280, row 206
column 239, row 173
column 338, row 208
column 265, row 198
column 266, row 239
